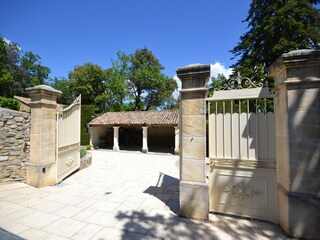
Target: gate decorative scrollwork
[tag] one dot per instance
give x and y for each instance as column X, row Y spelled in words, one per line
column 242, row 191
column 239, row 82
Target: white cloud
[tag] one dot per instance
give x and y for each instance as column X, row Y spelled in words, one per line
column 6, row 40
column 217, row 68
column 176, row 92
column 9, row 41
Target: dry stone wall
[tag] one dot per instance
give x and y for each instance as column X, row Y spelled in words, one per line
column 14, row 145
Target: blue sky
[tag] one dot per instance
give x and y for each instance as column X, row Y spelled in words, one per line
column 66, row 33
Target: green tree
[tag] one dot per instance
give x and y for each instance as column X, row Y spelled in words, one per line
column 136, row 82
column 149, row 87
column 90, row 80
column 171, row 103
column 64, row 85
column 117, row 86
column 275, row 27
column 19, row 71
column 29, row 73
column 216, row 82
column 6, row 78
column 35, row 73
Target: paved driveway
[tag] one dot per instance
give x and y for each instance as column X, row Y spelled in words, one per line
column 120, row 196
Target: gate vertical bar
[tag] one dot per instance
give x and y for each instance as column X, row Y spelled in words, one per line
column 239, row 128
column 266, row 128
column 257, row 131
column 231, row 129
column 216, row 139
column 248, row 130
column 57, row 138
column 223, row 129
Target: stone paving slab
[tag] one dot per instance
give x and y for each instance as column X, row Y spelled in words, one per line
column 122, row 195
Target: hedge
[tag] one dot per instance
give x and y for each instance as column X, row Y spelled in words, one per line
column 10, row 103
column 86, row 117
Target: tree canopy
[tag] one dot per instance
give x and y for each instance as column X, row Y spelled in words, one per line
column 19, row 70
column 89, row 81
column 148, row 85
column 275, row 27
column 117, row 85
column 133, row 82
column 64, row 85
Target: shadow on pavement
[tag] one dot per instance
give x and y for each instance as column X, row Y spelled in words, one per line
column 166, row 190
column 5, row 235
column 164, row 224
column 141, row 225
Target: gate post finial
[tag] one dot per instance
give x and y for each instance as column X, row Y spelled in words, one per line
column 41, row 169
column 194, row 201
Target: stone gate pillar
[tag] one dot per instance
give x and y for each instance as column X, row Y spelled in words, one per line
column 194, row 202
column 297, row 76
column 41, row 169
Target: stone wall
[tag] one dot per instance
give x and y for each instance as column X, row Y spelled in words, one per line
column 14, row 145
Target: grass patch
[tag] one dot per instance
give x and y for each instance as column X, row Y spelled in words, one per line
column 83, row 152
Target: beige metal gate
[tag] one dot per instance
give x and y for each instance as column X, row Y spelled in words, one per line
column 242, row 152
column 68, row 139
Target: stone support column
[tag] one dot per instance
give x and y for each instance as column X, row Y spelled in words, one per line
column 91, row 141
column 194, row 202
column 116, row 139
column 176, row 140
column 42, row 169
column 297, row 80
column 145, row 139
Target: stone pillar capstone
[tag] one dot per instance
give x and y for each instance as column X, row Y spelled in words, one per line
column 176, row 140
column 42, row 169
column 116, row 139
column 194, row 202
column 297, row 105
column 144, row 139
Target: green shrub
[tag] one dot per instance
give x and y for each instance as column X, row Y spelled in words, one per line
column 89, row 146
column 9, row 103
column 86, row 117
column 83, row 152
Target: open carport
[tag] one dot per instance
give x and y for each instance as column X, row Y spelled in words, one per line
column 155, row 131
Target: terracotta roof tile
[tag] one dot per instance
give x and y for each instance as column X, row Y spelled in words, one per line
column 23, row 99
column 149, row 118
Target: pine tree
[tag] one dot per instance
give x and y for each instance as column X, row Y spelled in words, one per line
column 275, row 27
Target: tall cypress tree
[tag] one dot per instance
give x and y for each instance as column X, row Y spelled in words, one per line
column 275, row 27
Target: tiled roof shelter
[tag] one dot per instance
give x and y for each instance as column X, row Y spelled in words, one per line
column 155, row 124
column 138, row 118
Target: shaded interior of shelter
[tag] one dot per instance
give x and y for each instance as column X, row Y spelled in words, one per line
column 160, row 139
